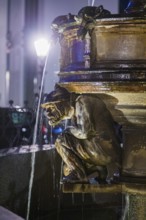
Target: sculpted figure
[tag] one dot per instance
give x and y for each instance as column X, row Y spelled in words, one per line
column 85, row 16
column 88, row 15
column 91, row 144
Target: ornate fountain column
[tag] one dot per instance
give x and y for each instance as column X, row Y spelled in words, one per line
column 114, row 68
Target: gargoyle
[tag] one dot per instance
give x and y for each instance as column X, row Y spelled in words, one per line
column 91, row 144
column 88, row 15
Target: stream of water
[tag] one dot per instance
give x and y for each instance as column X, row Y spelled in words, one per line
column 35, row 139
column 91, row 2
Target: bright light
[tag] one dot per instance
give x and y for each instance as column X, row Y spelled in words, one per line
column 41, row 47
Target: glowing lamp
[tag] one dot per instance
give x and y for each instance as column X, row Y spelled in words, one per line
column 41, row 47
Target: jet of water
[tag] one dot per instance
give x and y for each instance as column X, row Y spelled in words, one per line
column 35, row 138
column 91, row 2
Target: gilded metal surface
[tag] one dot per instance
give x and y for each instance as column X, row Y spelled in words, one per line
column 91, row 188
column 134, row 189
column 124, row 188
column 118, row 44
column 106, row 87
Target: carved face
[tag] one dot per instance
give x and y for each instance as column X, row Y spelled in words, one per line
column 58, row 111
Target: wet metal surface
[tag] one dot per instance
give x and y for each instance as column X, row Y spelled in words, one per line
column 124, row 188
column 91, row 188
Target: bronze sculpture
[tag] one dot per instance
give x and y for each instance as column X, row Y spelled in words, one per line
column 116, row 68
column 91, row 144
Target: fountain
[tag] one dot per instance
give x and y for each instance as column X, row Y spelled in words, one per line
column 103, row 54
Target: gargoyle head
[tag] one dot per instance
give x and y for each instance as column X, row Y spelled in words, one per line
column 88, row 15
column 57, row 105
